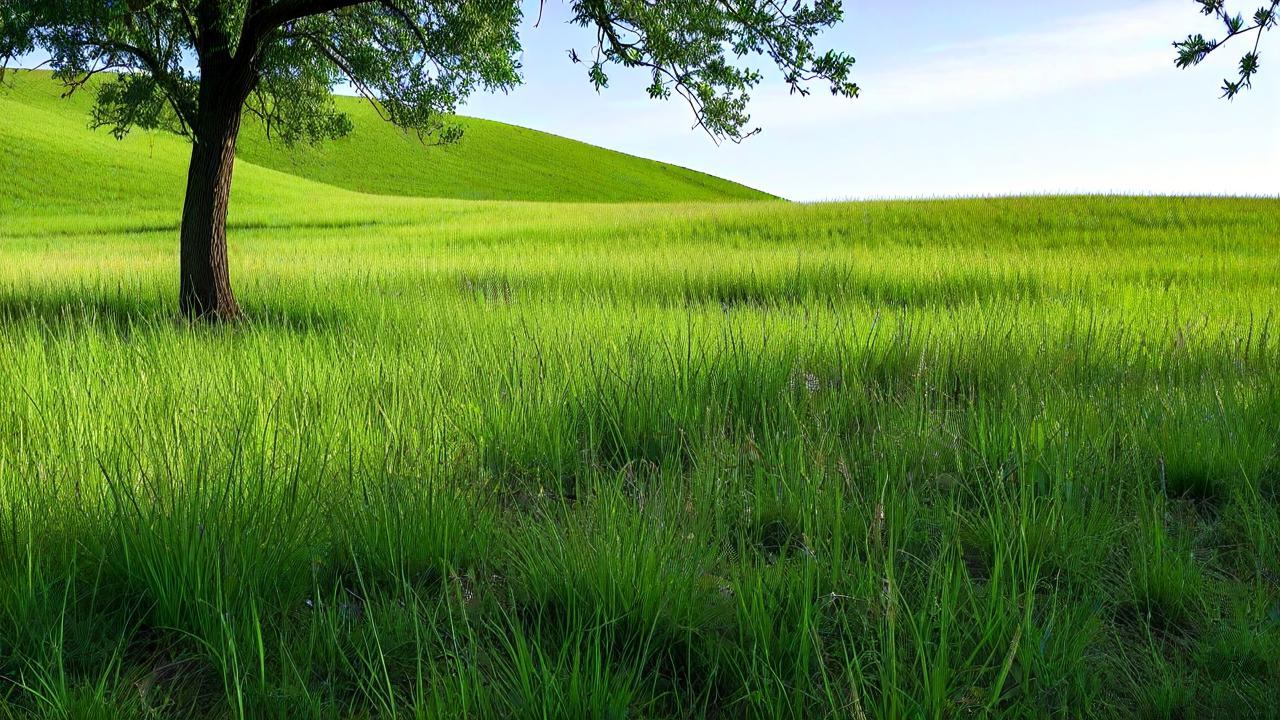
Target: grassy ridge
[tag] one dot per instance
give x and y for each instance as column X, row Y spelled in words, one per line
column 494, row 161
column 472, row 459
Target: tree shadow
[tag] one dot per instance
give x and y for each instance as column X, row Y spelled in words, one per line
column 124, row 314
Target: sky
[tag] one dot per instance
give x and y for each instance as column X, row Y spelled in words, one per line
column 958, row 99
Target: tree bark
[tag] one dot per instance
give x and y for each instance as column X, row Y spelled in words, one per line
column 205, row 287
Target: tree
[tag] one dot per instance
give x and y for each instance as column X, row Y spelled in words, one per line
column 1196, row 47
column 197, row 66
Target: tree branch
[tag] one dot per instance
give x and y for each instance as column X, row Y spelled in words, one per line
column 164, row 79
column 261, row 20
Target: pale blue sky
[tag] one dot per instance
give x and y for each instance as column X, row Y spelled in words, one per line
column 993, row 97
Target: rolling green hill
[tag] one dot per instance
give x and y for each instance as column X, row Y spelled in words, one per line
column 493, row 161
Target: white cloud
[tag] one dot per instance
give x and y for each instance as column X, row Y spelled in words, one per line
column 1099, row 48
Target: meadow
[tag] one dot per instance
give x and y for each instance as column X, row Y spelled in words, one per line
column 1002, row 457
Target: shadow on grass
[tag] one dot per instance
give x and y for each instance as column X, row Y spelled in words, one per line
column 125, row 314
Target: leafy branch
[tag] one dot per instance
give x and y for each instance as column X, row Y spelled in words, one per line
column 1196, row 47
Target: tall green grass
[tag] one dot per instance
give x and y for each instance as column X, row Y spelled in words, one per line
column 1010, row 458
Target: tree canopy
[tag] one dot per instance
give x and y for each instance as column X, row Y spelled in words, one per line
column 414, row 59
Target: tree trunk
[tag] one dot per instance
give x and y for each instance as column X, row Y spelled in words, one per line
column 205, row 288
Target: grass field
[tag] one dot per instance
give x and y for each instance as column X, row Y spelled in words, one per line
column 1009, row 458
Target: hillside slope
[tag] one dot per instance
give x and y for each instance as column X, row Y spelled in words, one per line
column 493, row 161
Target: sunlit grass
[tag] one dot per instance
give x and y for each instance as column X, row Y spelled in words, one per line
column 520, row 460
